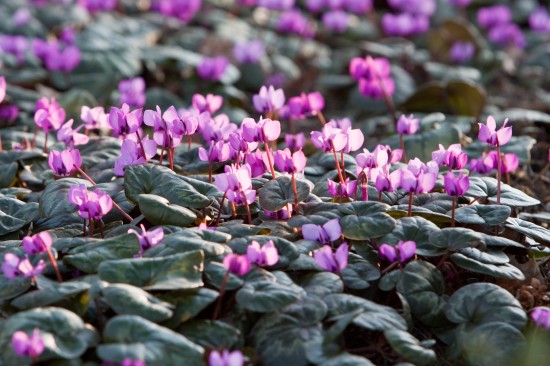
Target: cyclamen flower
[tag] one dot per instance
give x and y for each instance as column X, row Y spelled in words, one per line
column 453, row 157
column 28, row 346
column 483, row 165
column 358, row 6
column 295, row 142
column 8, row 113
column 386, row 181
column 250, row 52
column 507, row 34
column 71, row 137
column 48, row 114
column 264, row 131
column 256, row 162
column 55, row 55
column 462, row 52
column 336, row 20
column 217, row 129
column 374, row 76
column 132, row 92
column 269, row 99
column 407, row 125
column 148, row 239
column 490, row 16
column 64, row 163
column 218, row 152
column 237, row 264
column 509, row 162
column 329, row 138
column 123, row 121
column 209, row 103
column 212, row 69
column 421, row 183
column 92, row 205
column 266, row 255
column 354, row 137
column 404, row 24
column 539, row 20
column 422, row 7
column 342, row 190
column 94, row 118
column 13, row 266
column 328, row 232
column 226, row 358
column 277, row 4
column 288, row 162
column 488, row 133
column 236, row 183
column 94, row 6
column 541, row 317
column 131, row 153
column 14, row 45
column 21, row 17
column 329, row 261
column 183, row 10
column 2, row 88
column 293, row 21
column 38, row 243
column 402, row 252
column 169, row 126
column 131, row 362
column 306, row 105
column 456, row 186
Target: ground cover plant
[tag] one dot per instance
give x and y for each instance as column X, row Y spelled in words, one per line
column 274, row 182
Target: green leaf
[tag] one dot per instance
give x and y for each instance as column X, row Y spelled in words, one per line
column 321, row 284
column 161, row 181
column 130, row 336
column 14, row 287
column 268, row 292
column 373, row 316
column 480, row 303
column 277, row 193
column 359, row 272
column 87, row 257
column 528, row 228
column 188, row 303
column 211, row 333
column 367, row 227
column 177, row 272
column 55, row 199
column 159, row 211
column 482, row 214
column 452, row 238
column 409, row 347
column 214, row 274
column 64, row 333
column 15, row 214
column 346, row 359
column 506, row 270
column 417, row 229
column 130, row 300
column 509, row 196
column 9, row 172
column 423, row 286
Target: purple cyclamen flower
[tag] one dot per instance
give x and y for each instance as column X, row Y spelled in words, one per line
column 293, row 21
column 13, row 266
column 219, row 152
column 407, row 125
column 454, row 158
column 236, row 183
column 217, row 129
column 462, row 52
column 295, row 142
column 379, row 158
column 374, row 75
column 28, row 346
column 288, row 162
column 276, row 4
column 358, row 6
column 336, row 21
column 91, row 204
column 404, row 24
column 329, row 138
column 71, row 137
column 347, row 189
column 489, row 134
column 386, row 181
column 132, row 92
column 354, row 137
column 306, row 105
column 123, row 121
column 94, row 118
column 148, row 239
column 8, row 113
column 237, row 264
column 509, row 162
column 21, row 17
column 131, row 153
column 169, row 126
column 250, row 52
column 257, row 164
column 183, row 10
column 94, row 6
column 539, row 20
column 328, row 232
column 55, row 55
column 420, row 7
column 329, row 261
column 266, row 255
column 2, row 88
column 417, row 183
column 212, row 68
column 64, row 163
column 226, row 358
column 490, row 16
column 264, row 131
column 483, row 165
column 131, row 362
column 402, row 252
column 38, row 243
column 541, row 316
column 209, row 103
column 269, row 99
column 48, row 114
column 14, row 45
column 456, row 186
column 507, row 35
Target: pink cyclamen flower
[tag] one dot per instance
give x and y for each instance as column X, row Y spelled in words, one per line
column 456, row 186
column 488, row 133
column 269, row 99
column 306, row 105
column 91, row 204
column 212, row 68
column 293, row 21
column 64, row 163
column 541, row 317
column 131, row 153
column 485, row 164
column 386, row 181
column 329, row 138
column 288, row 162
column 13, row 266
column 123, row 121
column 38, row 243
column 491, row 16
column 226, row 358
column 48, row 114
column 237, row 264
column 402, row 252
column 2, row 88
column 461, row 3
column 71, row 137
column 28, row 346
column 404, row 24
column 354, row 137
column 336, row 20
column 183, row 10
column 329, row 261
column 235, row 183
column 256, row 162
column 328, row 232
column 539, row 20
column 277, row 4
column 264, row 131
column 508, row 34
column 266, row 255
column 295, row 142
column 421, row 7
column 132, row 92
column 462, row 52
column 347, row 189
column 218, row 152
column 94, row 118
column 249, row 52
column 216, row 129
column 209, row 103
column 407, row 125
column 94, row 6
column 421, row 183
column 148, row 239
column 131, row 362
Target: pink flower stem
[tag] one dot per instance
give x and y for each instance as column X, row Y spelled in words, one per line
column 389, row 268
column 161, row 155
column 45, row 149
column 171, row 158
column 54, row 264
column 379, row 196
column 189, row 139
column 343, row 164
column 453, row 212
column 92, row 222
column 410, row 204
column 84, row 228
column 222, row 292
column 295, row 191
column 210, row 172
column 402, row 143
column 115, row 205
column 321, row 118
column 221, row 209
column 364, row 187
column 141, row 144
column 100, row 224
column 247, row 208
column 0, row 142
column 268, row 152
column 499, row 173
column 337, row 164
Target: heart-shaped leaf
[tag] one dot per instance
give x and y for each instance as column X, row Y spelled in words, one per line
column 277, row 193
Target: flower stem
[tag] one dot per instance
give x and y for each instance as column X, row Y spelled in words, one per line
column 247, row 208
column 321, row 118
column 343, row 165
column 210, row 172
column 222, row 292
column 379, row 196
column 295, row 191
column 45, row 149
column 54, row 264
column 337, row 164
column 141, row 144
column 499, row 173
column 410, row 204
column 92, row 228
column 221, row 208
column 364, row 187
column 115, row 205
column 84, row 228
column 268, row 152
column 453, row 212
column 389, row 268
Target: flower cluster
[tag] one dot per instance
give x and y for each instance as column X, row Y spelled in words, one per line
column 497, row 19
column 413, row 17
column 374, row 76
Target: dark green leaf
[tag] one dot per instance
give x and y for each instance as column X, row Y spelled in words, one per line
column 409, row 347
column 211, row 333
column 159, row 211
column 55, row 199
column 482, row 214
column 457, row 238
column 506, row 270
column 418, row 230
column 268, row 292
column 277, row 193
